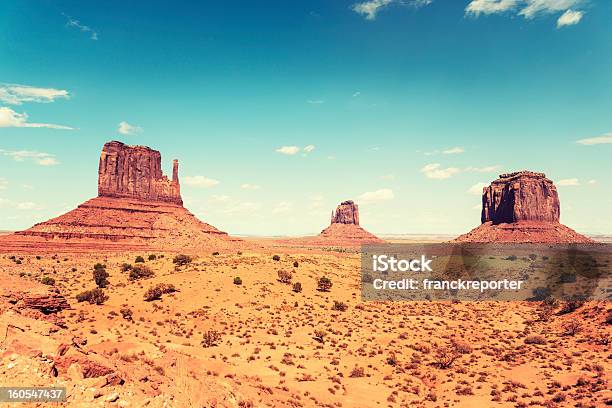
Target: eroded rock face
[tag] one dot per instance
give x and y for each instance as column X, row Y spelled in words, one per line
column 346, row 213
column 520, row 196
column 135, row 172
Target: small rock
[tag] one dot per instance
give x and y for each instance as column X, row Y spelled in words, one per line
column 112, row 397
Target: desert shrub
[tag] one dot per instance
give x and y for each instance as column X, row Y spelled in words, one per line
column 95, row 296
column 535, row 339
column 319, row 335
column 324, row 284
column 276, row 258
column 295, row 264
column 284, row 276
column 445, row 358
column 461, row 346
column 167, row 288
column 100, row 276
column 339, row 306
column 237, row 280
column 140, row 272
column 47, row 280
column 357, row 372
column 153, row 293
column 570, row 306
column 99, row 266
column 572, row 328
column 139, row 259
column 215, row 253
column 182, row 259
column 211, row 338
column 392, row 360
column 126, row 267
column 126, row 313
column 18, row 261
column 152, row 257
column 297, row 287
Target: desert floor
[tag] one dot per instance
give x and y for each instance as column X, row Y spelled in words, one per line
column 271, row 346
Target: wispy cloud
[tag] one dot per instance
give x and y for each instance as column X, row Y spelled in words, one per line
column 356, row 94
column 476, row 189
column 15, row 94
column 570, row 17
column 40, row 158
column 10, row 118
column 127, row 129
column 72, row 23
column 435, row 171
column 388, row 177
column 454, row 150
column 315, row 101
column 605, row 139
column 282, row 207
column 529, row 9
column 242, row 208
column 292, row 150
column 3, row 183
column 568, row 182
column 384, row 194
column 370, row 8
column 248, row 186
column 200, row 181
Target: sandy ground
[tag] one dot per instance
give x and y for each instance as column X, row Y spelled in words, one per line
column 271, row 346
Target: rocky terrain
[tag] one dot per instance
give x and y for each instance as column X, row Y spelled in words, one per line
column 137, row 207
column 262, row 329
column 522, row 207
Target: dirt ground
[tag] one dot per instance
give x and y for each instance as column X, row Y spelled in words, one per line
column 229, row 333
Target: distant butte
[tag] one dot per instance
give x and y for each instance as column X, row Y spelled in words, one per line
column 521, row 207
column 137, row 207
column 344, row 227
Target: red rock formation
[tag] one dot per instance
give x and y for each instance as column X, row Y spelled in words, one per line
column 135, row 172
column 346, row 213
column 137, row 208
column 521, row 207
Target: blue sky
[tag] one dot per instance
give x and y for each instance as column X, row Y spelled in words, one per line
column 279, row 110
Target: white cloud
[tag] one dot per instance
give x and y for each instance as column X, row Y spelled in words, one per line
column 77, row 24
column 199, row 181
column 529, row 9
column 282, row 207
column 247, row 186
column 40, row 158
column 315, row 101
column 570, row 17
column 127, row 129
column 370, row 8
column 10, row 118
column 288, row 150
column 309, row 148
column 485, row 169
column 476, row 189
column 356, row 94
column 3, row 183
column 215, row 199
column 605, row 139
column 453, row 150
column 592, row 182
column 28, row 205
column 384, row 194
column 14, row 94
column 477, row 7
column 568, row 182
column 243, row 208
column 434, row 171
column 388, row 177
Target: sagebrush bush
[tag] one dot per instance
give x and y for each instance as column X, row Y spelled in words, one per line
column 284, row 276
column 211, row 338
column 153, row 293
column 47, row 280
column 95, row 296
column 535, row 339
column 276, row 258
column 182, row 259
column 324, row 284
column 139, row 259
column 297, row 287
column 140, row 272
column 100, row 276
column 339, row 306
column 237, row 280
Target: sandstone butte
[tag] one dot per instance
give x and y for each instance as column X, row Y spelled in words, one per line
column 137, row 207
column 521, row 207
column 344, row 228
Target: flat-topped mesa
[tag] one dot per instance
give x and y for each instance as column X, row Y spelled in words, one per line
column 135, row 172
column 520, row 196
column 346, row 213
